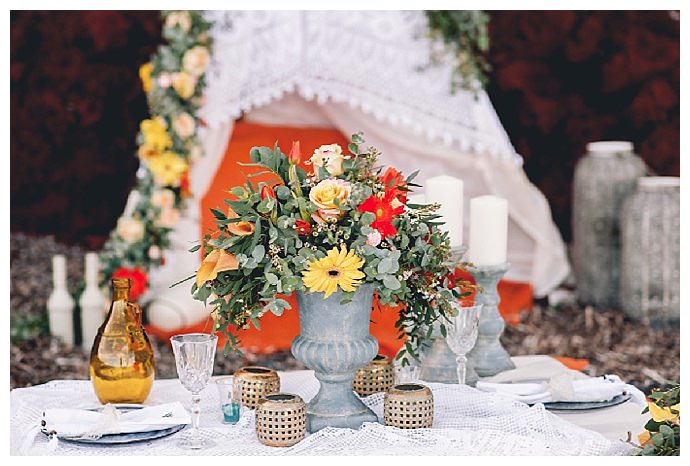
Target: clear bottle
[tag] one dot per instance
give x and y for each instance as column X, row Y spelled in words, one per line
column 122, row 366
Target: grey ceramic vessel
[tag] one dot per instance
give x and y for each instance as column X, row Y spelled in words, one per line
column 334, row 341
column 603, row 179
column 650, row 252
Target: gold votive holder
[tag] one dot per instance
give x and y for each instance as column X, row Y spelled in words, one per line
column 408, row 406
column 377, row 376
column 281, row 420
column 256, row 382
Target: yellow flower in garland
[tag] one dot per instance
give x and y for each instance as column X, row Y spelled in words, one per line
column 337, row 269
column 168, row 168
column 145, row 71
column 155, row 133
column 184, row 84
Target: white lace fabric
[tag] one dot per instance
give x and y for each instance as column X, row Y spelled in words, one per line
column 375, row 61
column 466, row 422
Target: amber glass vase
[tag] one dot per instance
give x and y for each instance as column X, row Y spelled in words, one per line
column 121, row 366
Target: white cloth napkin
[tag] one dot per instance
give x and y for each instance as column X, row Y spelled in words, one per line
column 81, row 423
column 567, row 386
column 75, row 424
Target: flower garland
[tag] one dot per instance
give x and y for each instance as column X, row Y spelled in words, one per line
column 168, row 142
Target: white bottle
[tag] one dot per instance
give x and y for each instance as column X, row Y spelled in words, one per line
column 92, row 302
column 60, row 304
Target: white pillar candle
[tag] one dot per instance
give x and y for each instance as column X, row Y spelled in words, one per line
column 488, row 230
column 447, row 191
column 60, row 303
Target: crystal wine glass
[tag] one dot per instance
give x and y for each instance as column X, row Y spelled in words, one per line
column 462, row 335
column 194, row 358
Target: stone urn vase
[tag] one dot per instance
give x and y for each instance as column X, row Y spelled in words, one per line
column 334, row 341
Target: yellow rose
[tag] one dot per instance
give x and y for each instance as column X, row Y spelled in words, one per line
column 661, row 414
column 196, row 60
column 324, row 195
column 155, row 133
column 145, row 71
column 167, row 169
column 179, row 18
column 163, row 198
column 329, row 156
column 168, row 218
column 184, row 84
column 184, row 125
column 130, row 229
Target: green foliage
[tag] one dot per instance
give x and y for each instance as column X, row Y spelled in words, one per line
column 664, row 435
column 25, row 327
column 465, row 35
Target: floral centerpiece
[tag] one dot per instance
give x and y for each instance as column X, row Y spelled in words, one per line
column 334, row 235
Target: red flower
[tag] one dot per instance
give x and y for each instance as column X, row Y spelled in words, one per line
column 462, row 278
column 302, row 227
column 384, row 211
column 138, row 279
column 267, row 191
column 295, row 153
column 392, row 179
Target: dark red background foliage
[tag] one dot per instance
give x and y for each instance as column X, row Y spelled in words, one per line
column 564, row 78
column 560, row 79
column 76, row 103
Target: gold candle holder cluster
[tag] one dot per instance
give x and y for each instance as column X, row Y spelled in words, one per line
column 256, row 383
column 408, row 406
column 375, row 377
column 281, row 420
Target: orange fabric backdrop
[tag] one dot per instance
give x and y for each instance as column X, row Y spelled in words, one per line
column 277, row 332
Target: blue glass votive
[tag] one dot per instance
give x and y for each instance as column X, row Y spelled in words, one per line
column 230, row 396
column 231, row 412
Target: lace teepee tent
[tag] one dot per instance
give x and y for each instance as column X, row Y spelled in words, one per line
column 356, row 71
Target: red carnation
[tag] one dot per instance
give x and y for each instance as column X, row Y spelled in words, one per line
column 302, row 227
column 383, row 209
column 138, row 280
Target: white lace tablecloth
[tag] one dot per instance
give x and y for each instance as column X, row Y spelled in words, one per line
column 466, row 422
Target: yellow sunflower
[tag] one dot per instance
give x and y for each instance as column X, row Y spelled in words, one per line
column 337, row 269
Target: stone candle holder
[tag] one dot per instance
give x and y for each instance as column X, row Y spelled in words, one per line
column 488, row 357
